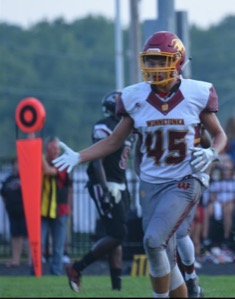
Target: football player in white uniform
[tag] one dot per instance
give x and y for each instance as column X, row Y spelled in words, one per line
column 185, row 246
column 166, row 110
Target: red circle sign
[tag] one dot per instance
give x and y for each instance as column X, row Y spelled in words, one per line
column 30, row 115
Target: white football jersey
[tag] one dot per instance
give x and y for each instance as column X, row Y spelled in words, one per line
column 170, row 127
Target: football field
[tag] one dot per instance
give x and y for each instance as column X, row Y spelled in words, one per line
column 99, row 287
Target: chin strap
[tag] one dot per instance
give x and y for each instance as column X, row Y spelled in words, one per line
column 186, row 63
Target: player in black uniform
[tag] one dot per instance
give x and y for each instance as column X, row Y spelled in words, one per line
column 107, row 186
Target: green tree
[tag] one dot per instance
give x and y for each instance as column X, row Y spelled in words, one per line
column 71, row 66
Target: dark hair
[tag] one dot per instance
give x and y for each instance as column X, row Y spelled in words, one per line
column 50, row 139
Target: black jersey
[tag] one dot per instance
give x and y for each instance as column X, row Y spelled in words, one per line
column 116, row 163
column 12, row 193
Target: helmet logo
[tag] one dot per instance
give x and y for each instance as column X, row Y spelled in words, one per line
column 153, row 50
column 178, row 45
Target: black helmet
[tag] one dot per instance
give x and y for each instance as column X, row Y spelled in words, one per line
column 109, row 103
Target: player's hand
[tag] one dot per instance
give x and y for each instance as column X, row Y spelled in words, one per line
column 107, row 202
column 115, row 192
column 69, row 159
column 203, row 158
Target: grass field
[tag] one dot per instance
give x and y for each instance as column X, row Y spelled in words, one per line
column 99, row 287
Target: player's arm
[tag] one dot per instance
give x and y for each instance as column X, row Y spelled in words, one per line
column 46, row 168
column 108, row 145
column 204, row 157
column 100, row 173
column 107, row 201
column 137, row 155
column 206, row 140
column 98, row 150
column 98, row 163
column 213, row 126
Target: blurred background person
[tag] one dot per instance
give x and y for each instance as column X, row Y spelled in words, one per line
column 208, row 203
column 230, row 131
column 226, row 197
column 222, row 195
column 13, row 200
column 55, row 206
column 218, row 202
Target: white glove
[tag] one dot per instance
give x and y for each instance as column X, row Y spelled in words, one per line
column 115, row 190
column 68, row 160
column 203, row 158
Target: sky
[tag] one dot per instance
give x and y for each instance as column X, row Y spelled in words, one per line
column 25, row 13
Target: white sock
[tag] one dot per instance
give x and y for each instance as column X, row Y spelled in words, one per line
column 162, row 295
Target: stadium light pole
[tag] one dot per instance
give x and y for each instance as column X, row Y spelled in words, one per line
column 135, row 74
column 118, row 48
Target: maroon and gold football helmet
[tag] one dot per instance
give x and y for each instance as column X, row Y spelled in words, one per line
column 168, row 52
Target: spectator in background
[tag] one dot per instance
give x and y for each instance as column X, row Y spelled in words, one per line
column 222, row 195
column 230, row 131
column 218, row 203
column 227, row 196
column 55, row 206
column 208, row 201
column 12, row 196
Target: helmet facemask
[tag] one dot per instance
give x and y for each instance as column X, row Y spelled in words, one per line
column 166, row 69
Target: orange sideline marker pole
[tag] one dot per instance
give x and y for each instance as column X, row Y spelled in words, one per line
column 30, row 116
column 30, row 168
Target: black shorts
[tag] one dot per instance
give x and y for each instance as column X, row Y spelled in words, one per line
column 18, row 226
column 116, row 226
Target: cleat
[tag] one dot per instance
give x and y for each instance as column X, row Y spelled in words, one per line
column 194, row 290
column 74, row 278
